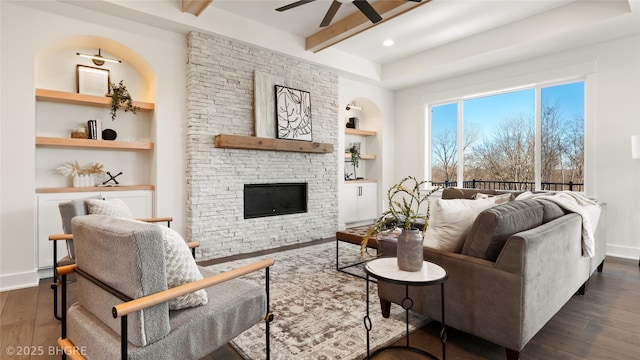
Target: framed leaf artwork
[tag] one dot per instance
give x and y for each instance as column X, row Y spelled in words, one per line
column 293, row 113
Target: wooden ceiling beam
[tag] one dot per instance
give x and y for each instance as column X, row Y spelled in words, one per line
column 357, row 23
column 195, row 7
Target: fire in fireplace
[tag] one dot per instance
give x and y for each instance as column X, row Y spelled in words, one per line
column 262, row 200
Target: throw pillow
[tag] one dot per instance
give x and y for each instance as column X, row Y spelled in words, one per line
column 494, row 226
column 450, row 221
column 110, row 207
column 181, row 269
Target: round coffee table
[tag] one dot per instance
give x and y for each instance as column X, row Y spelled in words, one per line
column 386, row 269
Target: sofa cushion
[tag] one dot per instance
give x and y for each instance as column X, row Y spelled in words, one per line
column 494, row 226
column 550, row 210
column 499, row 199
column 457, row 193
column 450, row 221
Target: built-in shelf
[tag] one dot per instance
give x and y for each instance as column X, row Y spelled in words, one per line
column 94, row 188
column 88, row 143
column 267, row 144
column 347, row 156
column 82, row 99
column 360, row 181
column 360, row 132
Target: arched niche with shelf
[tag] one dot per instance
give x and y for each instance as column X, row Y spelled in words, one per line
column 366, row 132
column 358, row 197
column 60, row 110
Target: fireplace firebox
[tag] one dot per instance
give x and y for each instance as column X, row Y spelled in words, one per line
column 262, row 200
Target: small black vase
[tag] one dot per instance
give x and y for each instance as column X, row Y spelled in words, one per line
column 109, row 134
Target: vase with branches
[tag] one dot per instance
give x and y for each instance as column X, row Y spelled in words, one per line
column 408, row 210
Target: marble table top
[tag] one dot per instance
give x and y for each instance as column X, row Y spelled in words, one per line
column 387, row 269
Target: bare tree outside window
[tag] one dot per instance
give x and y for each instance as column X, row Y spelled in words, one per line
column 498, row 140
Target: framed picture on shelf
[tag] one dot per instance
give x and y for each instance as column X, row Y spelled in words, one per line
column 293, row 114
column 92, row 80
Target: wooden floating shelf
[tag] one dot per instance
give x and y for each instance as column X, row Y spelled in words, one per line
column 94, row 188
column 226, row 141
column 347, row 156
column 82, row 99
column 360, row 132
column 97, row 144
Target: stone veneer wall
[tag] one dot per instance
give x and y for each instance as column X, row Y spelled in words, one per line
column 220, row 99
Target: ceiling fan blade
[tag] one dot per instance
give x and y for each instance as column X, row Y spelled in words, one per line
column 367, row 10
column 295, row 4
column 333, row 9
column 415, row 0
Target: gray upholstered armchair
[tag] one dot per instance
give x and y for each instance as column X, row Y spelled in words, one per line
column 123, row 310
column 69, row 210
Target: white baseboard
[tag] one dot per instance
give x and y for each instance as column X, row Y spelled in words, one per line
column 625, row 252
column 19, row 280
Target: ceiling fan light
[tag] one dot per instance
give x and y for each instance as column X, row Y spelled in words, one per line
column 388, row 42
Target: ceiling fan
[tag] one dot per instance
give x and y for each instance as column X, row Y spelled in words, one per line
column 363, row 5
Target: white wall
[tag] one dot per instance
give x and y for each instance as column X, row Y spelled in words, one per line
column 350, row 90
column 612, row 72
column 25, row 32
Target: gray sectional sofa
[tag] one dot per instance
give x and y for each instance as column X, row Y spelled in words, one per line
column 506, row 293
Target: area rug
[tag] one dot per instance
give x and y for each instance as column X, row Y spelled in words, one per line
column 319, row 311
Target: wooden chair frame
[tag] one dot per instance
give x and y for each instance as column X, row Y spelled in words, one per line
column 132, row 305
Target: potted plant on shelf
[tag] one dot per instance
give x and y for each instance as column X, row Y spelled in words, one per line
column 120, row 97
column 409, row 213
column 354, row 150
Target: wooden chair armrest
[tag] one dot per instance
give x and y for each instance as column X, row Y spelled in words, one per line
column 69, row 349
column 66, row 270
column 54, row 237
column 162, row 296
column 193, row 244
column 155, row 220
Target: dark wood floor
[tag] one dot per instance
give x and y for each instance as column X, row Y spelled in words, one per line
column 603, row 324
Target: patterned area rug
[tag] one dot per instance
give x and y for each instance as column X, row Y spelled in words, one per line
column 318, row 311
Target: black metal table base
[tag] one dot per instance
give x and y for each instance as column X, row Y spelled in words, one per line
column 343, row 268
column 407, row 304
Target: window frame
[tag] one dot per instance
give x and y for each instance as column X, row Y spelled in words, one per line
column 588, row 96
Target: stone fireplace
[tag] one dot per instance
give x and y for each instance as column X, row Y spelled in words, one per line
column 220, row 100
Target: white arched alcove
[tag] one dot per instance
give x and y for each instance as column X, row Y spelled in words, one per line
column 369, row 118
column 55, row 69
column 55, row 65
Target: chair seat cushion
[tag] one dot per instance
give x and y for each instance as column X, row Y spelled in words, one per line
column 195, row 332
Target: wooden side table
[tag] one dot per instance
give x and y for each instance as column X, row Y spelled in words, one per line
column 386, row 269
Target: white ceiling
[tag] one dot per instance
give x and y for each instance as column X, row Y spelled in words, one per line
column 438, row 39
column 435, row 23
column 455, row 30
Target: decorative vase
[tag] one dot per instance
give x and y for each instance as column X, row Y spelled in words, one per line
column 410, row 256
column 76, row 180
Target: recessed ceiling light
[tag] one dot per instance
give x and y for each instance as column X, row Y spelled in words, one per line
column 387, row 42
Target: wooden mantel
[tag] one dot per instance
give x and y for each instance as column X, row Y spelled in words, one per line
column 267, row 144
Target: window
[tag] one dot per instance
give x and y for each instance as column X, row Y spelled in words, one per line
column 509, row 142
